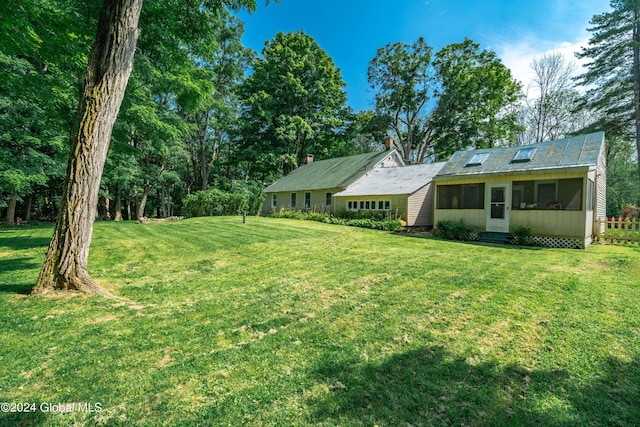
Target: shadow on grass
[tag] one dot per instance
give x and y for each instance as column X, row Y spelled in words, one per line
column 474, row 242
column 429, row 387
column 19, row 243
column 18, row 264
column 19, row 419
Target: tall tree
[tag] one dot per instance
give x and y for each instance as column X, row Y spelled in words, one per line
column 295, row 105
column 110, row 64
column 613, row 75
column 400, row 75
column 42, row 45
column 477, row 98
column 108, row 71
column 552, row 102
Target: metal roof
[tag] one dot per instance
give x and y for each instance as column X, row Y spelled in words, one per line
column 567, row 153
column 390, row 181
column 330, row 173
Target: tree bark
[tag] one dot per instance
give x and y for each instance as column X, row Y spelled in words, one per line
column 11, row 211
column 117, row 205
column 108, row 71
column 27, row 207
column 143, row 201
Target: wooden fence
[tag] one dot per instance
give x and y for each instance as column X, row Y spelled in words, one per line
column 618, row 230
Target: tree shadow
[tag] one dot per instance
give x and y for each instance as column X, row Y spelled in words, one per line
column 17, row 264
column 19, row 243
column 19, row 419
column 427, row 386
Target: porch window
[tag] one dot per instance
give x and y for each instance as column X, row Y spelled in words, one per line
column 463, row 196
column 565, row 194
column 327, row 199
column 274, row 200
column 307, row 200
column 294, row 198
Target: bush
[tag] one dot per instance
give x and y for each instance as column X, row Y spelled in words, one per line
column 452, row 230
column 239, row 200
column 377, row 224
column 522, row 236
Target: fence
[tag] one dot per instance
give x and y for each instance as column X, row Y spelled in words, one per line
column 619, row 230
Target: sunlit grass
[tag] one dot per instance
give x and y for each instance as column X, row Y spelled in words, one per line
column 283, row 322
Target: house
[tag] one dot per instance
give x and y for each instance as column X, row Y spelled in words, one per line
column 407, row 192
column 314, row 185
column 555, row 188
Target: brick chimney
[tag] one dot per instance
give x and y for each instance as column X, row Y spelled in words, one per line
column 388, row 143
column 309, row 158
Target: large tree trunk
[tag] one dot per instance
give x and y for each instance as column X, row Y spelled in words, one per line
column 108, row 71
column 11, row 211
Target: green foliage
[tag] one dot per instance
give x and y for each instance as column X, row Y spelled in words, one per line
column 452, row 230
column 477, row 100
column 474, row 95
column 295, row 105
column 613, row 72
column 362, row 221
column 242, row 199
column 522, row 236
column 400, row 75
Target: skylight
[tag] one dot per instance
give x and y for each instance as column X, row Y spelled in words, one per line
column 524, row 155
column 477, row 159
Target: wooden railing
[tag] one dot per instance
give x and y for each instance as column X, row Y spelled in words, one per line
column 617, row 230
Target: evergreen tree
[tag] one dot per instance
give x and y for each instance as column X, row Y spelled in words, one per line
column 614, row 71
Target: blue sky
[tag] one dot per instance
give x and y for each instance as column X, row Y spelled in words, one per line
column 350, row 31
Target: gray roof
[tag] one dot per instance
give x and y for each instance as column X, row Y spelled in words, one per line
column 568, row 153
column 396, row 180
column 330, row 173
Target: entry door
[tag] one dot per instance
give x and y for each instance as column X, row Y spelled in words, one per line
column 497, row 207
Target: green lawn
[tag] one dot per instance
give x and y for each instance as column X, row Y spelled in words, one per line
column 283, row 322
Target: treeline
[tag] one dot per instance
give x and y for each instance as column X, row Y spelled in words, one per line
column 204, row 112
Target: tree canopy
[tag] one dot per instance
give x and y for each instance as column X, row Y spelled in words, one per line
column 295, row 104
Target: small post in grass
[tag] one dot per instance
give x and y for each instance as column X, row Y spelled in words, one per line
column 244, row 217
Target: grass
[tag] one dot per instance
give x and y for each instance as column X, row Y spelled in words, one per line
column 281, row 322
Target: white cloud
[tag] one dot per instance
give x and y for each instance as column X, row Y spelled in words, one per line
column 519, row 55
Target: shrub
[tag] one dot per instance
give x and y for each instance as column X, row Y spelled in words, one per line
column 377, row 224
column 522, row 236
column 237, row 201
column 452, row 230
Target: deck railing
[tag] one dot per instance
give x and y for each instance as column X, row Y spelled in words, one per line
column 617, row 230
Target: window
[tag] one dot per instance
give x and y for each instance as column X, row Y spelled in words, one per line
column 590, row 187
column 294, row 196
column 524, row 155
column 352, row 206
column 477, row 159
column 465, row 196
column 307, row 200
column 387, row 205
column 274, row 200
column 366, row 205
column 361, row 205
column 546, row 193
column 327, row 199
column 563, row 194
